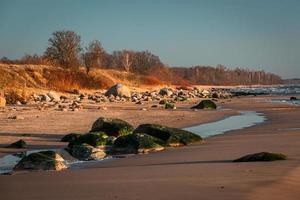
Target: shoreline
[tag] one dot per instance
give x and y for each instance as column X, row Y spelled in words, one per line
column 200, row 170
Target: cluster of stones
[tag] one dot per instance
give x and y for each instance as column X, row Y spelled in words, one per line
column 107, row 137
column 119, row 93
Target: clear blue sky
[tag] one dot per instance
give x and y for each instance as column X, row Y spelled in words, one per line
column 259, row 34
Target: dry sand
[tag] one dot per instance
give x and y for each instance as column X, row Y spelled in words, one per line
column 202, row 171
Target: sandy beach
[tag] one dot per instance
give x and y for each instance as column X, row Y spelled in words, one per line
column 199, row 171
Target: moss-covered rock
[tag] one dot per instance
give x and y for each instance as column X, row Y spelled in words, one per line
column 137, row 143
column 262, row 156
column 43, row 160
column 94, row 139
column 205, row 104
column 112, row 126
column 70, row 137
column 170, row 106
column 87, row 152
column 168, row 136
column 18, row 144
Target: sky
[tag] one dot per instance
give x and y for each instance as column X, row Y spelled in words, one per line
column 254, row 34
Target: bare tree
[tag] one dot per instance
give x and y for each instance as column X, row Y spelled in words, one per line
column 64, row 48
column 95, row 56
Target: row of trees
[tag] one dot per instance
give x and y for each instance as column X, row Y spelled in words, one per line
column 65, row 50
column 221, row 75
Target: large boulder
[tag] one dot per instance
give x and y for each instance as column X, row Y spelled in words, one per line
column 2, row 102
column 165, row 92
column 53, row 96
column 112, row 126
column 87, row 152
column 205, row 104
column 262, row 156
column 119, row 90
column 18, row 144
column 70, row 137
column 137, row 143
column 43, row 160
column 169, row 136
column 94, row 139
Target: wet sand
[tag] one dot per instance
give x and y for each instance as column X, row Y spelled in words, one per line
column 200, row 171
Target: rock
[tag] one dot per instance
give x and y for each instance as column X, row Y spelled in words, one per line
column 118, row 90
column 262, row 156
column 43, row 160
column 215, row 95
column 205, row 104
column 87, row 152
column 45, row 98
column 144, row 109
column 17, row 117
column 165, row 92
column 2, row 102
column 291, row 98
column 53, row 96
column 112, row 126
column 170, row 106
column 136, row 143
column 70, row 137
column 18, row 144
column 163, row 101
column 93, row 138
column 169, row 136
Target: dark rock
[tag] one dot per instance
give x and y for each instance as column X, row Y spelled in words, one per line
column 163, row 102
column 293, row 98
column 137, row 143
column 70, row 137
column 262, row 156
column 169, row 136
column 165, row 92
column 43, row 160
column 18, row 144
column 112, row 126
column 93, row 138
column 205, row 104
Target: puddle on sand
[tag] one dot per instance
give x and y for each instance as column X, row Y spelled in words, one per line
column 245, row 119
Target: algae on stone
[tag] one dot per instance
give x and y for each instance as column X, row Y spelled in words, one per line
column 112, row 126
column 169, row 136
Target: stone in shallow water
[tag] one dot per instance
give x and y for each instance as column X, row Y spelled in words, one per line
column 169, row 136
column 137, row 143
column 87, row 152
column 262, row 156
column 43, row 160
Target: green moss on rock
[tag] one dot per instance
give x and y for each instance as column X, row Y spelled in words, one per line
column 205, row 104
column 112, row 126
column 93, row 138
column 137, row 143
column 170, row 106
column 43, row 160
column 168, row 136
column 262, row 156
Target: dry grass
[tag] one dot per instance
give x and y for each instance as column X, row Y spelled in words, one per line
column 18, row 77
